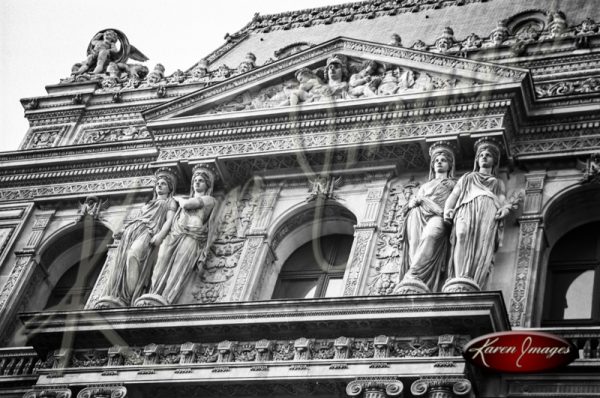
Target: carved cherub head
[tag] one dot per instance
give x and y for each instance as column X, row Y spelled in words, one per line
column 304, row 74
column 110, row 36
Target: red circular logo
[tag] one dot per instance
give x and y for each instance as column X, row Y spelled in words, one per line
column 519, row 352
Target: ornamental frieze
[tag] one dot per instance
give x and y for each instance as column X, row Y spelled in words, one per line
column 113, row 134
column 581, row 86
column 556, row 146
column 323, row 140
column 76, row 188
column 265, row 350
column 41, row 138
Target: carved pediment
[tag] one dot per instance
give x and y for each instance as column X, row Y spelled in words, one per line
column 341, row 70
column 361, row 78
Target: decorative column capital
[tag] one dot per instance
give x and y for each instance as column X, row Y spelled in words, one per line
column 375, row 387
column 441, row 387
column 103, row 390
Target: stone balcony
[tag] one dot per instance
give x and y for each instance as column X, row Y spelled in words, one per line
column 267, row 346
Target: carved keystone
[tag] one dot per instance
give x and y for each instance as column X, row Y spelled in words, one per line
column 151, row 353
column 446, row 345
column 382, row 346
column 264, row 349
column 188, row 352
column 441, row 387
column 103, row 391
column 375, row 387
column 342, row 347
column 225, row 349
column 302, row 349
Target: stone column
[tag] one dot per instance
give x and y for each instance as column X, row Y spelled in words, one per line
column 364, row 238
column 441, row 387
column 530, row 240
column 103, row 391
column 256, row 251
column 375, row 387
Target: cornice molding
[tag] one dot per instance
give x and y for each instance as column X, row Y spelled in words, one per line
column 402, row 315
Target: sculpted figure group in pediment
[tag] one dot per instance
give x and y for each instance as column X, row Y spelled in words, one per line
column 340, row 79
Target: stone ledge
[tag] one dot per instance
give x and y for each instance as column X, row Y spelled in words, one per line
column 409, row 315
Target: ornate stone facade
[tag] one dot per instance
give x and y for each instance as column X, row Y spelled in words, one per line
column 164, row 216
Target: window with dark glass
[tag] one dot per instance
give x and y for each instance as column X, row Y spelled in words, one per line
column 573, row 282
column 315, row 269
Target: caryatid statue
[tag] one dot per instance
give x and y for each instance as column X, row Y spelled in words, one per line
column 130, row 270
column 425, row 232
column 186, row 245
column 108, row 45
column 476, row 208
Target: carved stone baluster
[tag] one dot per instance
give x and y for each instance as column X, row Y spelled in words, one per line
column 9, row 368
column 375, row 387
column 587, row 349
column 441, row 387
column 18, row 369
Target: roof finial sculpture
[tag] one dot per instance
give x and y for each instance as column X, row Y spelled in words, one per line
column 108, row 45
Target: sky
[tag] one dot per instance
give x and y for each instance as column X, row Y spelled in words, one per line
column 41, row 39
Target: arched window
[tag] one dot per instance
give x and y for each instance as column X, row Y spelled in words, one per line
column 573, row 281
column 315, row 269
column 73, row 260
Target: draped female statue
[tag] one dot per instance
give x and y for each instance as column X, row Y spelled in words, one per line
column 425, row 233
column 186, row 244
column 138, row 237
column 476, row 208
